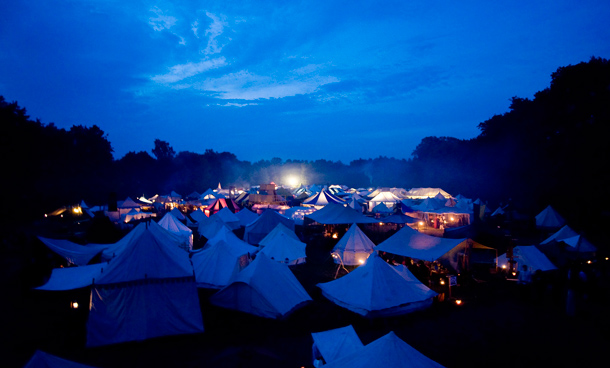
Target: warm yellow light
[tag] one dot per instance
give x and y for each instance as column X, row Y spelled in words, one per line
column 589, row 262
column 458, row 301
column 606, row 257
column 45, row 215
column 335, row 236
column 74, row 305
column 442, row 282
column 514, row 274
column 451, row 218
column 361, row 261
column 292, row 180
column 504, row 266
column 381, row 223
column 421, row 223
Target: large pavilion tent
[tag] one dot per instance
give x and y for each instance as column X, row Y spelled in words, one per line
column 411, row 243
column 353, row 248
column 336, row 214
column 385, row 197
column 333, row 344
column 147, row 290
column 377, row 289
column 530, row 256
column 429, row 205
column 549, row 219
column 422, row 193
column 321, row 199
column 222, row 203
column 264, row 288
column 74, row 253
column 216, row 265
column 284, row 247
column 399, row 218
column 228, row 218
column 386, row 351
column 40, row 359
column 170, row 223
column 264, row 224
column 246, row 217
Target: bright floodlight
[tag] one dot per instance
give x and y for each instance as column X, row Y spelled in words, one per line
column 292, row 180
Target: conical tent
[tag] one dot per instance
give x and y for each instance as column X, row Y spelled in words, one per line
column 530, row 256
column 210, row 228
column 336, row 343
column 199, row 216
column 378, row 289
column 264, row 288
column 171, row 224
column 264, row 224
column 563, row 233
column 228, row 218
column 322, row 199
column 278, row 231
column 178, row 214
column 334, row 214
column 549, row 218
column 284, row 248
column 354, row 247
column 387, row 351
column 217, row 265
column 239, row 246
column 246, row 217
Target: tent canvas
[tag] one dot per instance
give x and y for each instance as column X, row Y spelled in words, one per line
column 378, row 289
column 74, row 253
column 530, row 256
column 217, row 265
column 336, row 343
column 284, row 247
column 264, row 288
column 246, row 217
column 228, row 218
column 40, row 359
column 334, row 214
column 387, row 351
column 322, row 199
column 264, row 224
column 171, row 224
column 549, row 218
column 563, row 233
column 178, row 214
column 353, row 248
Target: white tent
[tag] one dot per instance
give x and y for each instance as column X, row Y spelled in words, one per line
column 530, row 256
column 549, row 218
column 210, row 228
column 385, row 197
column 333, row 344
column 321, row 199
column 378, row 289
column 264, row 288
column 353, row 248
column 282, row 245
column 422, row 193
column 178, row 214
column 387, row 351
column 171, row 224
column 216, row 265
column 246, row 217
column 264, row 224
column 74, row 253
column 333, row 214
column 228, row 218
column 225, row 234
column 199, row 216
column 411, row 243
column 563, row 233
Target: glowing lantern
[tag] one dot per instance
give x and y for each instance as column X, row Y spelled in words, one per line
column 442, row 282
column 421, row 223
column 74, row 304
column 458, row 302
column 335, row 236
column 504, row 266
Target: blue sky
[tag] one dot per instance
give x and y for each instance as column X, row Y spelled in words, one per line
column 295, row 80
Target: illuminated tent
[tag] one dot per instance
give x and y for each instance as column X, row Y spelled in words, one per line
column 226, row 235
column 128, row 203
column 381, row 208
column 321, row 199
column 385, row 197
column 377, row 289
column 264, row 288
column 353, row 248
column 171, row 224
column 333, row 344
column 411, row 243
column 282, row 245
column 334, row 214
column 264, row 224
column 222, row 203
column 41, row 359
column 216, row 265
column 386, row 351
column 228, row 218
column 530, row 256
column 422, row 193
column 210, row 195
column 549, row 218
column 245, row 217
column 429, row 205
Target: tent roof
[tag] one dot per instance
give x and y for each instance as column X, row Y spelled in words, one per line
column 228, row 218
column 231, row 240
column 385, row 196
column 333, row 214
column 246, row 216
column 563, row 233
column 210, row 228
column 271, row 288
column 278, row 231
column 376, row 287
column 74, row 253
column 128, row 203
column 336, row 343
column 322, row 198
column 170, row 223
column 549, row 218
column 531, row 256
column 284, row 246
column 216, row 266
column 71, row 278
column 354, row 241
column 411, row 243
column 178, row 214
column 399, row 218
column 579, row 244
column 41, row 359
column 387, row 351
column 422, row 193
column 264, row 224
column 198, row 215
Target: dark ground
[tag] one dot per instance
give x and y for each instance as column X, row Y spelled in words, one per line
column 497, row 325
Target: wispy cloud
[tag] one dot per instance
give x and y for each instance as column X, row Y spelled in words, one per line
column 233, row 104
column 195, row 28
column 161, row 21
column 181, row 71
column 214, row 30
column 246, row 86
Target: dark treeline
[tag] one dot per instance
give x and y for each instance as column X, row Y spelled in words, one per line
column 548, row 150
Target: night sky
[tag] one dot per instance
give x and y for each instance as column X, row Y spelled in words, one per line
column 295, row 80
